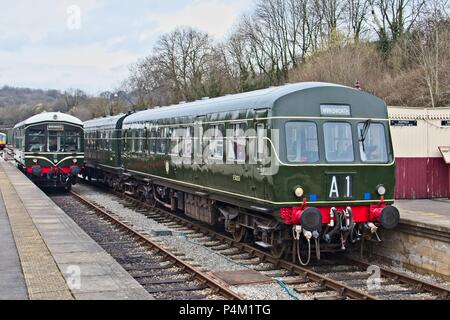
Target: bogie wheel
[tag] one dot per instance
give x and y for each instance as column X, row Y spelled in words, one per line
column 239, row 233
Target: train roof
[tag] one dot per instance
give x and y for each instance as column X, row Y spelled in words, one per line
column 50, row 117
column 264, row 98
column 109, row 122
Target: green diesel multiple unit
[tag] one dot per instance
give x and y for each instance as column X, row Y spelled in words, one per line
column 285, row 166
column 48, row 148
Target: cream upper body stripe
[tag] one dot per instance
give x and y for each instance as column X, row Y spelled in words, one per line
column 254, row 198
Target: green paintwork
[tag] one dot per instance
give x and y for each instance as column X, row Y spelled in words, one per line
column 242, row 184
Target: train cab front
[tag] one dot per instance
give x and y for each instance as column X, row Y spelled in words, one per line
column 338, row 166
column 60, row 175
column 340, row 210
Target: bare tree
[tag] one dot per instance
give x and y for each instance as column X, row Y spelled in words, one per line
column 431, row 50
column 396, row 17
column 357, row 12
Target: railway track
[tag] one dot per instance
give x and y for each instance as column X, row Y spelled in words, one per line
column 345, row 280
column 164, row 275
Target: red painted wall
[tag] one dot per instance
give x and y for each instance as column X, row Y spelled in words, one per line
column 422, row 178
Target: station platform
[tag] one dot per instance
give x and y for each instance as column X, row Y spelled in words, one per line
column 421, row 241
column 45, row 255
column 433, row 214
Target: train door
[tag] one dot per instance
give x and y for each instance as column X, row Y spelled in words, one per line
column 261, row 152
column 199, row 161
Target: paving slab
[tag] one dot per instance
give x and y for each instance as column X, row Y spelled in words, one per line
column 12, row 281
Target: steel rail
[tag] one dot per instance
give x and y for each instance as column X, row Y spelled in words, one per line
column 212, row 283
column 422, row 285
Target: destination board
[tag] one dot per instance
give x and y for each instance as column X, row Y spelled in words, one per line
column 55, row 127
column 331, row 110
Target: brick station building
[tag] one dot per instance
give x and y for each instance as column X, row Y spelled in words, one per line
column 421, row 139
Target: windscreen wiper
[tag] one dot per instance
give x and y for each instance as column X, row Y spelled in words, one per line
column 364, row 131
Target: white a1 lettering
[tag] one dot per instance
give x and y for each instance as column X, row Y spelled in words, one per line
column 334, row 191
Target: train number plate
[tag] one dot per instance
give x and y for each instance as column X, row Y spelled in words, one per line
column 340, row 186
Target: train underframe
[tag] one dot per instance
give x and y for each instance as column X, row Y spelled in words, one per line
column 295, row 235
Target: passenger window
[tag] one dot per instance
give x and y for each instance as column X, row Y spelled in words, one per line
column 237, row 143
column 140, row 140
column 372, row 142
column 153, row 140
column 133, row 140
column 72, row 142
column 198, row 139
column 36, row 141
column 174, row 142
column 338, row 142
column 145, row 140
column 301, row 142
column 187, row 143
column 54, row 141
column 162, row 141
column 216, row 143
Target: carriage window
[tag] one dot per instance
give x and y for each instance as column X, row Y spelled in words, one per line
column 36, row 141
column 373, row 148
column 187, row 143
column 132, row 140
column 216, row 143
column 174, row 136
column 54, row 141
column 338, row 142
column 162, row 141
column 153, row 141
column 301, row 142
column 72, row 143
column 237, row 143
column 144, row 141
column 111, row 138
column 140, row 140
column 108, row 137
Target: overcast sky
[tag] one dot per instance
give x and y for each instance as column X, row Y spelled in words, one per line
column 44, row 45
